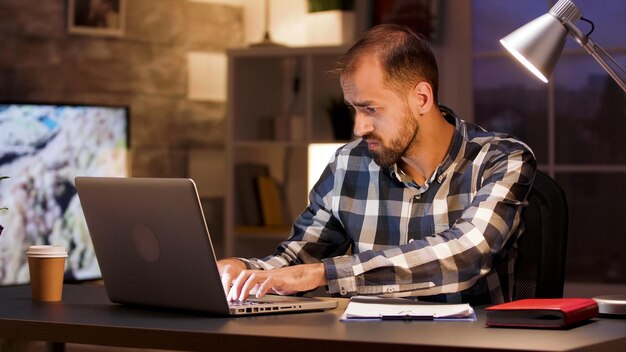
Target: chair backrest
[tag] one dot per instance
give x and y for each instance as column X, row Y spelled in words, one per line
column 540, row 264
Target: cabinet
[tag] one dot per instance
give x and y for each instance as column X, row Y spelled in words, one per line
column 278, row 99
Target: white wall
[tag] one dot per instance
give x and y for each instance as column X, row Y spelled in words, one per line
column 454, row 57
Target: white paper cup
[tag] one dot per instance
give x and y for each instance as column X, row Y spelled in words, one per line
column 46, row 265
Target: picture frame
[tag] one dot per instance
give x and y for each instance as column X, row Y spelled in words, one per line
column 422, row 16
column 96, row 17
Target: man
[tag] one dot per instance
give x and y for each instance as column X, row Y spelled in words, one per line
column 424, row 204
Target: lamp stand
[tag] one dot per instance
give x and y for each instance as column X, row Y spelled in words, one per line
column 594, row 50
column 267, row 40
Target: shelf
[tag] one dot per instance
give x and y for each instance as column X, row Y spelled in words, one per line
column 265, row 143
column 277, row 106
column 267, row 232
column 255, row 144
column 256, row 52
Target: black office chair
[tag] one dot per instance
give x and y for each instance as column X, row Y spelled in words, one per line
column 540, row 264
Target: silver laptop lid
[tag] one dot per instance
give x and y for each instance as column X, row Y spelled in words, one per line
column 154, row 248
column 152, row 242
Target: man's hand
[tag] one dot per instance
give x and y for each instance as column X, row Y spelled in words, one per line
column 230, row 268
column 283, row 281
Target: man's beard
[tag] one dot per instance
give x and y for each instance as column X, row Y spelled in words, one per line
column 388, row 156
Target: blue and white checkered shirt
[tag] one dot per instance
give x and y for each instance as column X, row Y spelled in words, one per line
column 452, row 239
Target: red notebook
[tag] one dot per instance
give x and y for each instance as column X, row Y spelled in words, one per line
column 542, row 312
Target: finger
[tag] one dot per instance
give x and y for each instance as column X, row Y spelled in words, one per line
column 227, row 280
column 252, row 281
column 237, row 285
column 233, row 294
column 265, row 287
column 230, row 294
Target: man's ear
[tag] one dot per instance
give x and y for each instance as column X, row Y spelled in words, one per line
column 423, row 95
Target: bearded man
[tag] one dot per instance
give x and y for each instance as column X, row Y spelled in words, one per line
column 423, row 204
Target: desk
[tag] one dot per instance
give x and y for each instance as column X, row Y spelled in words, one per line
column 86, row 316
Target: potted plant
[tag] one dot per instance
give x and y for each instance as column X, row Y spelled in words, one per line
column 330, row 22
column 2, row 208
column 330, row 5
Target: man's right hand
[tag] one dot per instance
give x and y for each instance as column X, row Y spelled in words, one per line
column 230, row 268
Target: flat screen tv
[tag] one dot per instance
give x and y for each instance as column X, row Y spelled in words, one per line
column 43, row 147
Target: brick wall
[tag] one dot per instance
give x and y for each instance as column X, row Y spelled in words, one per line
column 145, row 69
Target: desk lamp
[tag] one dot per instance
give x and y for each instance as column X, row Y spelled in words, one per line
column 538, row 44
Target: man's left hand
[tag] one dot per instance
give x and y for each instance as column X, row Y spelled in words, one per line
column 283, row 281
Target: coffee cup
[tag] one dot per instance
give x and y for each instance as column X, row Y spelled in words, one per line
column 46, row 265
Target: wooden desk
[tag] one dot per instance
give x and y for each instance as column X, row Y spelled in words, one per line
column 86, row 316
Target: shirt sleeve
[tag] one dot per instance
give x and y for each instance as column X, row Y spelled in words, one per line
column 453, row 259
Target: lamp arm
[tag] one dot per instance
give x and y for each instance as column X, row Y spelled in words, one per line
column 593, row 48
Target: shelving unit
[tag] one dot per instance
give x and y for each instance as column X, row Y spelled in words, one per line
column 277, row 101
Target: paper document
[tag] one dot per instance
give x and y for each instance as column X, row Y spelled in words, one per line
column 375, row 308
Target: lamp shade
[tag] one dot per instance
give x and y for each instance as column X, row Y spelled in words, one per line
column 538, row 44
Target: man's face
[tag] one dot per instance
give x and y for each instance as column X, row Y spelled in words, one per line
column 384, row 119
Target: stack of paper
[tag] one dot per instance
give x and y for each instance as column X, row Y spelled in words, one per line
column 376, row 308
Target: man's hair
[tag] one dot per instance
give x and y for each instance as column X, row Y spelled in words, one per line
column 405, row 56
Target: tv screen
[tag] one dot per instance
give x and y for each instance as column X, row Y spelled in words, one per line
column 43, row 147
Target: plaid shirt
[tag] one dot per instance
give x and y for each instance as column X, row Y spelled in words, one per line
column 452, row 239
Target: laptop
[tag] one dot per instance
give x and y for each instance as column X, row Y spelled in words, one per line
column 154, row 249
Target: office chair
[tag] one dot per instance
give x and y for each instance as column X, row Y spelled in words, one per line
column 540, row 264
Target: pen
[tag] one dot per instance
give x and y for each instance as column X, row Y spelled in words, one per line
column 407, row 317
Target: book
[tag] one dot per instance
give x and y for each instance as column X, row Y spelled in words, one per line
column 270, row 201
column 542, row 312
column 248, row 205
column 362, row 308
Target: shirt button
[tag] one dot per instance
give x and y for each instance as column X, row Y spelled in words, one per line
column 440, row 178
column 343, row 291
column 417, row 196
column 390, row 290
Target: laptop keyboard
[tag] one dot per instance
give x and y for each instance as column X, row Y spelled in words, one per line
column 248, row 302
